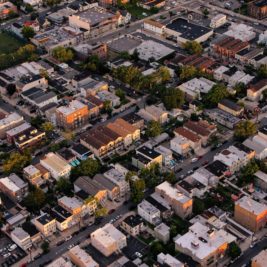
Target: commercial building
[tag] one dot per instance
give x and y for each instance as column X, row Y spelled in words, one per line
column 108, row 240
column 45, row 224
column 149, row 212
column 241, row 31
column 81, row 258
column 229, row 47
column 72, row 116
column 260, row 259
column 8, row 122
column 203, row 244
column 14, row 187
column 218, row 21
column 180, row 203
column 154, row 26
column 183, row 30
column 146, row 157
column 56, row 166
column 133, row 225
column 95, row 20
column 250, row 213
column 195, row 87
column 230, row 107
column 21, row 238
column 258, row 9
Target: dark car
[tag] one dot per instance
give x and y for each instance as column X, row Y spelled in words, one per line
column 111, row 211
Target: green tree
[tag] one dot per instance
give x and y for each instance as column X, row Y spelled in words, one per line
column 88, row 167
column 156, row 247
column 47, row 127
column 193, row 47
column 95, row 64
column 187, row 72
column 153, row 129
column 16, row 162
column 101, row 212
column 233, row 250
column 130, row 175
column 164, row 74
column 264, row 95
column 62, row 54
column 244, row 129
column 45, row 247
column 198, row 206
column 137, row 190
column 170, row 177
column 262, row 71
column 151, row 175
column 240, row 89
column 27, row 32
column 206, row 12
column 65, row 186
column 52, row 3
column 121, row 94
column 247, row 172
column 35, row 200
column 173, row 98
column 215, row 95
column 11, row 89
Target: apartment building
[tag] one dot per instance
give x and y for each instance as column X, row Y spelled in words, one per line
column 230, row 107
column 203, row 244
column 33, row 175
column 81, row 258
column 218, row 21
column 8, row 122
column 250, row 213
column 180, row 203
column 194, row 139
column 128, row 132
column 146, row 157
column 180, row 145
column 45, row 224
column 229, row 47
column 133, row 225
column 108, row 240
column 258, row 9
column 72, row 116
column 14, row 187
column 154, row 26
column 72, row 205
column 64, row 219
column 260, row 259
column 162, row 233
column 56, row 165
column 21, row 238
column 60, row 262
column 95, row 20
column 117, row 176
column 235, row 157
column 254, row 91
column 149, row 212
column 168, row 260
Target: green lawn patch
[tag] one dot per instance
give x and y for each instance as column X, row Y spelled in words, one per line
column 137, row 11
column 9, row 43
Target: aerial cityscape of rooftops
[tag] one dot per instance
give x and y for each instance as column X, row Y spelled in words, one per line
column 133, row 133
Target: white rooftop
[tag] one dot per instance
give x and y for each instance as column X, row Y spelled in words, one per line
column 83, row 257
column 70, row 202
column 169, row 260
column 20, row 234
column 31, row 170
column 73, row 106
column 172, row 192
column 10, row 119
column 18, row 129
column 251, row 205
column 241, row 31
column 202, row 241
column 261, row 175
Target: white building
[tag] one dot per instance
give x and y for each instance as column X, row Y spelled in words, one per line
column 166, row 155
column 203, row 244
column 33, row 3
column 263, row 38
column 154, row 26
column 108, row 240
column 117, row 176
column 108, row 96
column 149, row 212
column 168, row 260
column 57, row 166
column 180, row 145
column 21, row 238
column 194, row 87
column 241, row 31
column 60, row 262
column 218, row 21
column 10, row 121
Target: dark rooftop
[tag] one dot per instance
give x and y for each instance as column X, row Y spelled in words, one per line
column 149, row 153
column 217, row 168
column 133, row 220
column 230, row 104
column 30, row 228
column 44, row 219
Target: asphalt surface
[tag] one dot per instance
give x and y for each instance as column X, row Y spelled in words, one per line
column 250, row 253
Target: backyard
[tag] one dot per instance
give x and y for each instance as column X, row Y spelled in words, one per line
column 9, row 43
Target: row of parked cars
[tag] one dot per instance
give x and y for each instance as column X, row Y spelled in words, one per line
column 10, row 255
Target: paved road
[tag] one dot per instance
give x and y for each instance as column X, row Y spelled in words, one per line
column 250, row 253
column 81, row 237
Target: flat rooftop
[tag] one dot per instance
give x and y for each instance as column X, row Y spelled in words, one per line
column 188, row 30
column 251, row 205
column 123, row 44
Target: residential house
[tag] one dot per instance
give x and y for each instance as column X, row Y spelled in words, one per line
column 149, row 212
column 254, row 91
column 230, row 107
column 21, row 238
column 133, row 225
column 45, row 224
column 8, row 122
column 155, row 113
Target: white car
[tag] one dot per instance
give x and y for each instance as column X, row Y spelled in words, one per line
column 6, row 255
column 68, row 238
column 194, row 160
column 12, row 247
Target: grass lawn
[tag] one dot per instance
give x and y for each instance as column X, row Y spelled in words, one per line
column 137, row 11
column 8, row 43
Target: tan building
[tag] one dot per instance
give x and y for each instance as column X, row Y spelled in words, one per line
column 181, row 204
column 72, row 116
column 108, row 240
column 80, row 258
column 230, row 107
column 254, row 91
column 250, row 213
column 33, row 175
column 45, row 224
column 259, row 260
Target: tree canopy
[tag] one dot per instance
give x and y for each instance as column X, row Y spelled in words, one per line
column 27, row 32
column 153, row 129
column 137, row 190
column 62, row 54
column 244, row 129
column 35, row 200
column 193, row 47
column 63, row 185
column 16, row 162
column 215, row 95
column 233, row 250
column 173, row 98
column 88, row 167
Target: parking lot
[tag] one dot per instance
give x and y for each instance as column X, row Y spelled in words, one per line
column 134, row 246
column 9, row 252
